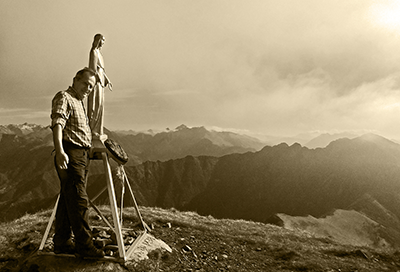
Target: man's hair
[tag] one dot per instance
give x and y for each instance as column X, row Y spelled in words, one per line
column 81, row 72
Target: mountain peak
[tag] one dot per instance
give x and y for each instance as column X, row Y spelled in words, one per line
column 181, row 127
column 21, row 129
column 325, row 139
column 371, row 137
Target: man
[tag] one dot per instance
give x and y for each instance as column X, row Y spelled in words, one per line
column 72, row 139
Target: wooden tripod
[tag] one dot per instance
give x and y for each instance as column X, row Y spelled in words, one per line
column 100, row 152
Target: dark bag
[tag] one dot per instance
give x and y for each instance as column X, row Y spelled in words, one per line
column 116, row 151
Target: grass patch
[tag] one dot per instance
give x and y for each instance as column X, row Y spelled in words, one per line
column 203, row 242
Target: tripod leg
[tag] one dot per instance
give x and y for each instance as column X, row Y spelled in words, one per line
column 101, row 215
column 102, row 191
column 113, row 204
column 46, row 233
column 134, row 201
column 122, row 200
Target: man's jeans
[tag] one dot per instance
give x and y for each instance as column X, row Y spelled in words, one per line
column 72, row 210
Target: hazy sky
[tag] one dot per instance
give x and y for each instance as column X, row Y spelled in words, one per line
column 277, row 67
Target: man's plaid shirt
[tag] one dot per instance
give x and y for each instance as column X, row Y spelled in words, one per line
column 68, row 111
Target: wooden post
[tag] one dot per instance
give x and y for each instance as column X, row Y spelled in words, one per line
column 113, row 204
column 46, row 233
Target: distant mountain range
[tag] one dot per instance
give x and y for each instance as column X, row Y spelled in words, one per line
column 283, row 183
column 360, row 174
column 28, row 181
column 183, row 141
column 300, row 181
column 326, row 138
column 228, row 175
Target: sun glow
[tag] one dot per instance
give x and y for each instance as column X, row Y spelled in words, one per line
column 386, row 14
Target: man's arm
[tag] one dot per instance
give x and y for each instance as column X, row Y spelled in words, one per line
column 61, row 157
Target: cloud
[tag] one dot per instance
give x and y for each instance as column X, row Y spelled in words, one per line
column 263, row 65
column 308, row 104
column 22, row 115
column 10, row 111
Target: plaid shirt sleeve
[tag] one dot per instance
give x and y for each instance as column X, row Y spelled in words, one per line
column 60, row 110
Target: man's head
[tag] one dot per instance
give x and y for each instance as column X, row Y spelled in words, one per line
column 84, row 82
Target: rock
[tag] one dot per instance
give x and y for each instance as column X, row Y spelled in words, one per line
column 149, row 243
column 187, row 248
column 114, row 238
column 100, row 233
column 67, row 264
column 101, row 243
column 109, row 253
column 129, row 240
column 111, row 247
column 361, row 254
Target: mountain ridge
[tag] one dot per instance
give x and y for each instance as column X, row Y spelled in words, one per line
column 28, row 181
column 253, row 185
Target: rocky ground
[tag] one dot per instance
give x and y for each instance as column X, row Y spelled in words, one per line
column 199, row 243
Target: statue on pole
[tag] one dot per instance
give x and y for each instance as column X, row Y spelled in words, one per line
column 96, row 98
column 88, row 142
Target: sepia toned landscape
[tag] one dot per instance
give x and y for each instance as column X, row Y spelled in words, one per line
column 223, row 202
column 254, row 135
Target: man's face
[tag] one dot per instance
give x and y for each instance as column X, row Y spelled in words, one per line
column 84, row 85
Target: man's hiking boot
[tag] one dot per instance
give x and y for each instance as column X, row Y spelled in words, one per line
column 67, row 248
column 89, row 252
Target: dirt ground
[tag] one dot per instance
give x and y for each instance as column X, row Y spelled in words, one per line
column 200, row 243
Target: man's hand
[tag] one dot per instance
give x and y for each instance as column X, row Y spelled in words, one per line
column 62, row 160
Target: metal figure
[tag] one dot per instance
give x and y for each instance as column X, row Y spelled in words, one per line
column 96, row 98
